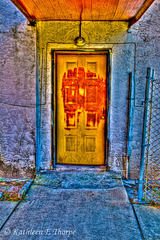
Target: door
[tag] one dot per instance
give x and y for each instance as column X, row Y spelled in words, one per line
column 81, row 108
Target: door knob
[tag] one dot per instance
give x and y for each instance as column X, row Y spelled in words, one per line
column 103, row 117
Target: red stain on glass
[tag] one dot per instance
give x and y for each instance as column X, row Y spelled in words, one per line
column 91, row 119
column 84, row 92
column 70, row 119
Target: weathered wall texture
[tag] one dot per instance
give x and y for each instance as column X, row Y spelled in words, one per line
column 17, row 94
column 133, row 50
column 146, row 34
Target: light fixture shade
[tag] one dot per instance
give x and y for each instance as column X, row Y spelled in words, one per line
column 80, row 41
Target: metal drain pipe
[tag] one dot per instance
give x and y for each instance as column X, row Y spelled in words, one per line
column 130, row 124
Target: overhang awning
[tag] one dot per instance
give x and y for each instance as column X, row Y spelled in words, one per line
column 92, row 10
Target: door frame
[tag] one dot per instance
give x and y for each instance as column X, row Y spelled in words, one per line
column 54, row 54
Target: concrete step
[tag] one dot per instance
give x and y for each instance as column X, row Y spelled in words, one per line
column 86, row 179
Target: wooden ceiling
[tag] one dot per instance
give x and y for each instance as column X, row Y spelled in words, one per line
column 92, row 10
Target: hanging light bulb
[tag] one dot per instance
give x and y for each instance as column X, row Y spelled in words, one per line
column 80, row 41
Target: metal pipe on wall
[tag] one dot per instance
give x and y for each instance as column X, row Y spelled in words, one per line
column 41, row 101
column 140, row 190
column 108, row 109
column 130, row 124
column 38, row 153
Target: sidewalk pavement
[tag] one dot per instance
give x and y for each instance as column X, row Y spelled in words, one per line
column 149, row 220
column 78, row 205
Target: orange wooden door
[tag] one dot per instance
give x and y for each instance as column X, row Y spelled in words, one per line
column 81, row 108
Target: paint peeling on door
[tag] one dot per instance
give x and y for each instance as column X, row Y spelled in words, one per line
column 83, row 92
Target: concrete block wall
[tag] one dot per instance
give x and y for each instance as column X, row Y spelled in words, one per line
column 17, row 93
column 146, row 35
column 133, row 50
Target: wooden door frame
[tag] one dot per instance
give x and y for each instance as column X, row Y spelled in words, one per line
column 54, row 54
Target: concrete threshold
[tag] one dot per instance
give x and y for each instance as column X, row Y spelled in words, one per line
column 60, row 167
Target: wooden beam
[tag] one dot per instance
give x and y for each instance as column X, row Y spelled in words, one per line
column 23, row 11
column 142, row 10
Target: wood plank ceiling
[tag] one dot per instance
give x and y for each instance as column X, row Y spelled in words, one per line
column 93, row 10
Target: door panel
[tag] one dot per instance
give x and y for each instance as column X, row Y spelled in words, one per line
column 81, row 107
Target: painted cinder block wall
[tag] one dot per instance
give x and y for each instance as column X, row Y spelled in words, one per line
column 132, row 50
column 17, row 93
